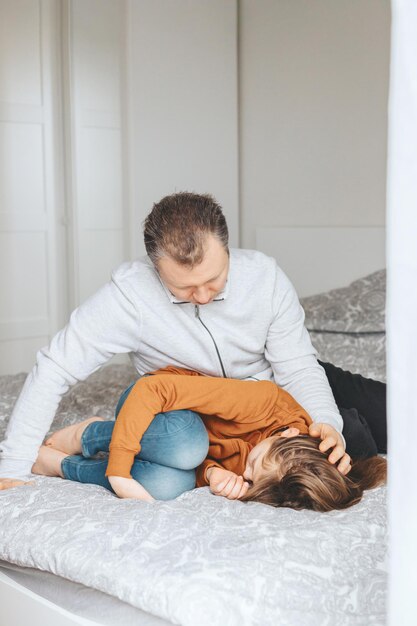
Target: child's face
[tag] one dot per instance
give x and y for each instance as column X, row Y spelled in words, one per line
column 255, row 467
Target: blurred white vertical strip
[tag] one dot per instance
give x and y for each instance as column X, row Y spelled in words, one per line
column 402, row 313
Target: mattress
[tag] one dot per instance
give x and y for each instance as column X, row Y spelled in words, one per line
column 79, row 600
column 202, row 559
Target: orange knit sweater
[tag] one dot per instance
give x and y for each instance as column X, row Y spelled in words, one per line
column 237, row 415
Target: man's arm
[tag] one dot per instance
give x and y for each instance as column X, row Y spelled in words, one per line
column 106, row 324
column 293, row 361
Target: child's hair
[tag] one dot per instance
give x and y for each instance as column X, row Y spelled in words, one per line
column 305, row 479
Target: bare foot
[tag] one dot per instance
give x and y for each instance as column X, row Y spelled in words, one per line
column 48, row 462
column 9, row 483
column 68, row 439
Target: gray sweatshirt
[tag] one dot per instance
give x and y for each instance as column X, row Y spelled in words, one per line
column 254, row 329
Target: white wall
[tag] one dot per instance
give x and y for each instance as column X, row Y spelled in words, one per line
column 154, row 94
column 182, row 97
column 313, row 116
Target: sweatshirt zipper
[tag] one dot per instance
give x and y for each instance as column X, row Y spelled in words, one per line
column 197, row 315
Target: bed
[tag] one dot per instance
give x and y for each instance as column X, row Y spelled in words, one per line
column 199, row 560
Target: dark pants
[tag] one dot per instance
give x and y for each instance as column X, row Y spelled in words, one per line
column 363, row 406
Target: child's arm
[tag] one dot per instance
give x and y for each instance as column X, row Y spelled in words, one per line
column 229, row 399
column 129, row 488
column 201, row 473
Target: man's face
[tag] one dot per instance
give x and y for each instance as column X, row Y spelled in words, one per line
column 202, row 283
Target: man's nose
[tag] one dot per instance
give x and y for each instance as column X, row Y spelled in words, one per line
column 202, row 296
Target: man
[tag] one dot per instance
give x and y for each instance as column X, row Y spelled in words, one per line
column 191, row 303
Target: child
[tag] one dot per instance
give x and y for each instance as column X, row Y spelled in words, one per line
column 251, row 432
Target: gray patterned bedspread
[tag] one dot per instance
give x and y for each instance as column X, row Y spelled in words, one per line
column 347, row 325
column 198, row 560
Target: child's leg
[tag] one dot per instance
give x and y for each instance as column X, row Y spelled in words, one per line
column 122, row 398
column 68, row 439
column 163, row 483
column 176, row 439
column 175, row 443
column 367, row 396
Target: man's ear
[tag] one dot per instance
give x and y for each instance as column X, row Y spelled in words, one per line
column 290, row 432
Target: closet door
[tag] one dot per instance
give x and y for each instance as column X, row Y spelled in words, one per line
column 32, row 225
column 93, row 82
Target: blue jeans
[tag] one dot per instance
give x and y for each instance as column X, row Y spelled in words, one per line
column 172, row 447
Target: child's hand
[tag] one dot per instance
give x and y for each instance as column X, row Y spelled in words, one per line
column 129, row 488
column 9, row 483
column 227, row 484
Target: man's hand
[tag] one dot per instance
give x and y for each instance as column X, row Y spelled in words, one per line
column 9, row 483
column 227, row 484
column 332, row 439
column 129, row 488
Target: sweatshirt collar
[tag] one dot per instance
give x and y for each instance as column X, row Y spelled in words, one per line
column 222, row 295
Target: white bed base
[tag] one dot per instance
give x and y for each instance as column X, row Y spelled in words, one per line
column 20, row 606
